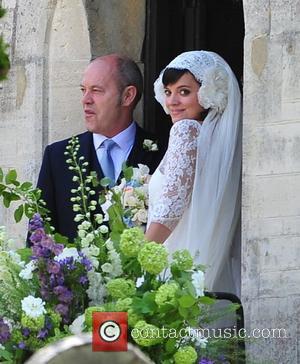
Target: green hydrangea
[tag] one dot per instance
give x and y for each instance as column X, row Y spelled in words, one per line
column 133, row 317
column 153, row 257
column 185, row 355
column 146, row 334
column 121, row 288
column 89, row 314
column 182, row 260
column 123, row 304
column 34, row 324
column 131, row 241
column 166, row 294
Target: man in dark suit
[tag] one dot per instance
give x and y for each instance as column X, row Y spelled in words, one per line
column 111, row 87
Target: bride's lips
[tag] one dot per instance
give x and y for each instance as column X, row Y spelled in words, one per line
column 176, row 112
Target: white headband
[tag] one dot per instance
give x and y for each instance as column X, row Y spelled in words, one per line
column 209, row 69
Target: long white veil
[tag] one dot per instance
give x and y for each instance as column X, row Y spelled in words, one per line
column 207, row 227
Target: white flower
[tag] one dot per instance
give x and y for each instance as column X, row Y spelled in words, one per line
column 214, row 89
column 16, row 258
column 107, row 267
column 99, row 218
column 68, row 253
column 149, row 145
column 96, row 291
column 94, row 261
column 119, row 187
column 201, row 341
column 141, row 216
column 140, row 173
column 81, row 233
column 90, row 237
column 103, row 229
column 26, row 273
column 78, row 217
column 84, row 226
column 115, row 259
column 196, row 336
column 77, row 325
column 198, row 282
column 109, row 244
column 33, row 307
column 105, row 206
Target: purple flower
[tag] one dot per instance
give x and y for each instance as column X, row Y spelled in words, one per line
column 37, row 235
column 69, row 263
column 86, row 262
column 58, row 248
column 53, row 267
column 62, row 309
column 36, row 222
column 42, row 334
column 45, row 293
column 21, row 345
column 205, row 361
column 60, row 280
column 48, row 323
column 83, row 280
column 4, row 331
column 64, row 294
column 25, row 331
column 52, row 280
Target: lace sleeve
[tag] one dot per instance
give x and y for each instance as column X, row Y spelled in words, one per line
column 178, row 168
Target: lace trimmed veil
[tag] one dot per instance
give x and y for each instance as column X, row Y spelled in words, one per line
column 209, row 224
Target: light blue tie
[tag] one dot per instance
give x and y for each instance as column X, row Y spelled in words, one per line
column 107, row 163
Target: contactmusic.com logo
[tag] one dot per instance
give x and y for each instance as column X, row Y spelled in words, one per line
column 109, row 331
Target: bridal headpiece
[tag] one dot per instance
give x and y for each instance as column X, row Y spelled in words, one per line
column 209, row 69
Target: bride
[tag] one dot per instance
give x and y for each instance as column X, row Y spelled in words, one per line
column 194, row 193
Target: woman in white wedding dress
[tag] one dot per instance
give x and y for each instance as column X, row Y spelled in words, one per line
column 194, row 193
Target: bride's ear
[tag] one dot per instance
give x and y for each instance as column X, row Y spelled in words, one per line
column 129, row 95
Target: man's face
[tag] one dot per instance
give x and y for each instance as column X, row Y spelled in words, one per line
column 101, row 98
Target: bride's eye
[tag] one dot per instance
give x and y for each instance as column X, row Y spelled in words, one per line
column 167, row 92
column 184, row 92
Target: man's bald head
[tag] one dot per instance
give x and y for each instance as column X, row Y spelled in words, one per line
column 126, row 71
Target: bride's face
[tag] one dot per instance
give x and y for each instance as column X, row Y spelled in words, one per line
column 182, row 100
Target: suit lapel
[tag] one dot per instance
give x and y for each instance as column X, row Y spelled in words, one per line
column 87, row 150
column 137, row 153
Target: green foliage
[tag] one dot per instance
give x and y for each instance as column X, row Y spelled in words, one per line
column 28, row 197
column 4, row 60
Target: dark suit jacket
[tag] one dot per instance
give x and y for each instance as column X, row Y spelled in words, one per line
column 55, row 179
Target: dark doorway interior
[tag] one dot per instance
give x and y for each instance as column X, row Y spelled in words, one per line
column 175, row 26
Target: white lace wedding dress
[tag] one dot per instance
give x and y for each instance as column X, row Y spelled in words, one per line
column 171, row 192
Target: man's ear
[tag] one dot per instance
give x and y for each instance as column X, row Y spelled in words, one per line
column 128, row 95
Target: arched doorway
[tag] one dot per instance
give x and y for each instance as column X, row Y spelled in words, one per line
column 175, row 26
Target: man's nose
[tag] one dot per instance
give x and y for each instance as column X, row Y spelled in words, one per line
column 86, row 98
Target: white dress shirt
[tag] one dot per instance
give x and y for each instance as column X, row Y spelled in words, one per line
column 120, row 152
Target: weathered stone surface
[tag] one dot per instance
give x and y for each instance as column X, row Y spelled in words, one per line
column 271, row 176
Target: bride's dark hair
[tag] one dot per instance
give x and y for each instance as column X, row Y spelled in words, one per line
column 172, row 75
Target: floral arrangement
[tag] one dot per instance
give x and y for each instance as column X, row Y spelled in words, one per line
column 129, row 197
column 50, row 290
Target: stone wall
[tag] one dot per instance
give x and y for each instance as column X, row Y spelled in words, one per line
column 50, row 45
column 271, row 177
